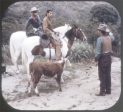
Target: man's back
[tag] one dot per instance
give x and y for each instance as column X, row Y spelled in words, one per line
column 106, row 44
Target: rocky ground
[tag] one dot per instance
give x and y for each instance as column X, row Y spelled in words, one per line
column 78, row 90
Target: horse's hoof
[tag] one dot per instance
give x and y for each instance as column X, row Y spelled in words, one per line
column 37, row 94
column 60, row 90
column 29, row 94
column 26, row 91
column 62, row 80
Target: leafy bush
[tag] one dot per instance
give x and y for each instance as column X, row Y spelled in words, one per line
column 81, row 51
column 6, row 58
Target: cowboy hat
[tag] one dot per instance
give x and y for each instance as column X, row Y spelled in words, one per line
column 103, row 27
column 33, row 9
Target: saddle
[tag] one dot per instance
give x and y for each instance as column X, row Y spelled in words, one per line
column 44, row 41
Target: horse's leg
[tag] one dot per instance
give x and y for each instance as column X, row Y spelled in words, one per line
column 28, row 69
column 28, row 75
column 62, row 79
column 68, row 62
column 14, row 56
column 36, row 90
column 70, row 43
column 15, row 61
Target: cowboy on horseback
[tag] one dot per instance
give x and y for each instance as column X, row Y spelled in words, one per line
column 51, row 34
column 33, row 26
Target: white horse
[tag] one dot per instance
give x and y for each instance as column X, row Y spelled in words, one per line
column 16, row 40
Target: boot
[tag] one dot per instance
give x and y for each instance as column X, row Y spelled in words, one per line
column 100, row 94
column 108, row 92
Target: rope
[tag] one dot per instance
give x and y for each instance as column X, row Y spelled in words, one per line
column 50, row 52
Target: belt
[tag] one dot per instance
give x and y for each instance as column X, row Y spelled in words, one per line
column 108, row 53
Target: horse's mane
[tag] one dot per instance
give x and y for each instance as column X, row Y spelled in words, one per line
column 69, row 34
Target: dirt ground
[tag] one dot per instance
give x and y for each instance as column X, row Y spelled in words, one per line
column 78, row 90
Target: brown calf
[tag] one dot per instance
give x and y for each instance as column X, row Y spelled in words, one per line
column 50, row 69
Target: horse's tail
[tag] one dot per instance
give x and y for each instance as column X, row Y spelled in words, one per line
column 12, row 49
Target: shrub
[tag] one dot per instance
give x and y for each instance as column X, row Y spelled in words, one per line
column 6, row 58
column 81, row 51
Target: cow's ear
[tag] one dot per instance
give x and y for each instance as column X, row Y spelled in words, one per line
column 35, row 50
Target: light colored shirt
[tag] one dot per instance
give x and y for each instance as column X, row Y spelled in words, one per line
column 47, row 25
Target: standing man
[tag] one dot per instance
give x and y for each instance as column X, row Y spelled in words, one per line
column 48, row 30
column 103, row 57
column 33, row 26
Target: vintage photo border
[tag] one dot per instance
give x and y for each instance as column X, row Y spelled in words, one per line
column 118, row 4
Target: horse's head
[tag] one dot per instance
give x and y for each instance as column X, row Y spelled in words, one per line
column 38, row 50
column 78, row 33
column 75, row 32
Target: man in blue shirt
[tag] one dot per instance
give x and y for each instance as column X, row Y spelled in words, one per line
column 103, row 57
column 33, row 26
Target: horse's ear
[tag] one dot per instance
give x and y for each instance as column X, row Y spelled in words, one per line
column 66, row 24
column 75, row 26
column 69, row 25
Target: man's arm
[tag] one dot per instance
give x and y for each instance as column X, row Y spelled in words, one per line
column 98, row 49
column 27, row 24
column 39, row 20
column 111, row 36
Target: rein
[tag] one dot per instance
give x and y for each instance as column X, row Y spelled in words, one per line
column 76, row 32
column 49, row 52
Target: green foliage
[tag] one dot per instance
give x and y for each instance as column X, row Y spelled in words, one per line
column 6, row 58
column 81, row 51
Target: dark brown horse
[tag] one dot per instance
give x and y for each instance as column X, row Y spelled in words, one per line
column 73, row 33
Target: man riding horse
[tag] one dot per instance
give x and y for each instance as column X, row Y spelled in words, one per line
column 47, row 35
column 33, row 26
column 48, row 30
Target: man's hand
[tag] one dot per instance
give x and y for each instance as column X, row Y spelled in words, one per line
column 50, row 45
column 96, row 61
column 56, row 33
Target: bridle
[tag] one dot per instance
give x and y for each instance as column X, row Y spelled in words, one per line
column 79, row 30
column 76, row 32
